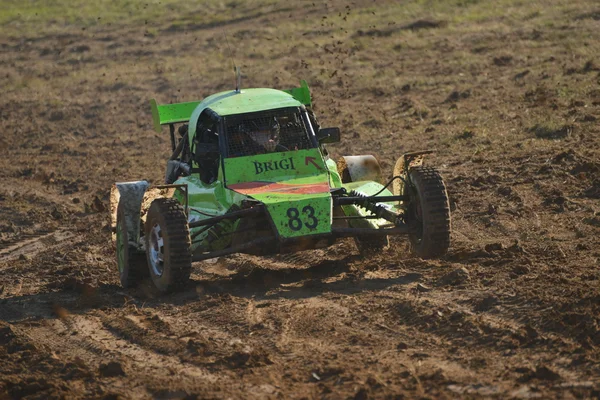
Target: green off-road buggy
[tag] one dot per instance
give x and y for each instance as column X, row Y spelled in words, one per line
column 250, row 174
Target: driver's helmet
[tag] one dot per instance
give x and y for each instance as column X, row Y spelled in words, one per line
column 265, row 134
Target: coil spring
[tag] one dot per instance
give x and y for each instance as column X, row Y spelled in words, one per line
column 368, row 204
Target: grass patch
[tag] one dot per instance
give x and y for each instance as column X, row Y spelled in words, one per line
column 34, row 16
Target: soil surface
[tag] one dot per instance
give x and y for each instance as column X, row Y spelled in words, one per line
column 508, row 93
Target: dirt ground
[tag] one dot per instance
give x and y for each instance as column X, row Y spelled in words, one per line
column 507, row 92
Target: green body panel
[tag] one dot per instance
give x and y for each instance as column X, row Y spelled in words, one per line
column 302, row 94
column 275, row 167
column 171, row 113
column 299, row 215
column 293, row 185
column 248, row 101
column 334, row 177
column 205, row 201
column 297, row 199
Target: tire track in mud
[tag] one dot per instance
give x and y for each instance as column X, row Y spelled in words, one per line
column 95, row 340
column 411, row 331
column 497, row 340
column 32, row 244
column 310, row 335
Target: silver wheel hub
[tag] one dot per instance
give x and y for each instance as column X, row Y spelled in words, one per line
column 156, row 251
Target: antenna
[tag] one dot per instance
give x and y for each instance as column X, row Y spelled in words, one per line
column 238, row 80
column 236, row 69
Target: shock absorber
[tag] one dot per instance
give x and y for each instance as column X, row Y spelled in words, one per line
column 378, row 209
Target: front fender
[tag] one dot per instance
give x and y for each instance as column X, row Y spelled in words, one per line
column 403, row 164
column 131, row 196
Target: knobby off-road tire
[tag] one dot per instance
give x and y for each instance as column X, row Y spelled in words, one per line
column 429, row 212
column 167, row 242
column 132, row 264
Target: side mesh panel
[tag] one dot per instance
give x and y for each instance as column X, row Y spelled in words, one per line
column 266, row 132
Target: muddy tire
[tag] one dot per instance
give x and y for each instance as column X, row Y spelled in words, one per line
column 429, row 212
column 167, row 240
column 132, row 264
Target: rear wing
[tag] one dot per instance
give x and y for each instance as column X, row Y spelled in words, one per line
column 165, row 114
column 302, row 93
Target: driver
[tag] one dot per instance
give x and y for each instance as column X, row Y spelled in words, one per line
column 262, row 139
column 266, row 136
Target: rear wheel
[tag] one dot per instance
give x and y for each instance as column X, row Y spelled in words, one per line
column 131, row 261
column 428, row 212
column 168, row 245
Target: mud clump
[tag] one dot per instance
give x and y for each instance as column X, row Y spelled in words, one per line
column 492, row 247
column 30, row 387
column 247, row 358
column 595, row 221
column 457, row 277
column 425, row 24
column 6, row 333
column 96, row 206
column 502, row 61
column 456, row 96
column 80, row 49
column 543, row 131
column 487, row 303
column 593, row 191
column 56, row 116
column 111, row 369
column 542, row 373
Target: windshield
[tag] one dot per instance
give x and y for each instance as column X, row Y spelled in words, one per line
column 267, row 132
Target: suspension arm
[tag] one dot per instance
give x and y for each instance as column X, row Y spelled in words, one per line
column 231, row 215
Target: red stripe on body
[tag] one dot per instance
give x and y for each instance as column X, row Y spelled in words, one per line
column 250, row 188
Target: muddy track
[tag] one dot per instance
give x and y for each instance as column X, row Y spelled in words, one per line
column 511, row 103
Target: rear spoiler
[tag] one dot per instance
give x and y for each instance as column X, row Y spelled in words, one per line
column 302, row 93
column 165, row 114
column 171, row 113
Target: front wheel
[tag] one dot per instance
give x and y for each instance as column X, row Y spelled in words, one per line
column 428, row 212
column 167, row 242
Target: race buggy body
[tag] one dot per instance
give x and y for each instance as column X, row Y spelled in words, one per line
column 250, row 174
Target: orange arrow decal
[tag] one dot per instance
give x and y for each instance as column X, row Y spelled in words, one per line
column 311, row 160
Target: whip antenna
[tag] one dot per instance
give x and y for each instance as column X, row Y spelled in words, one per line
column 236, row 70
column 238, row 81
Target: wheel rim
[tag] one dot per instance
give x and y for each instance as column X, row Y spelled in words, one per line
column 121, row 247
column 156, row 250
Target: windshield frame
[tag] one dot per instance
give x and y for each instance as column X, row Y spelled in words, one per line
column 301, row 111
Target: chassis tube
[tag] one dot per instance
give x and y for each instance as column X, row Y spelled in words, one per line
column 231, row 250
column 346, row 201
column 346, row 232
column 231, row 215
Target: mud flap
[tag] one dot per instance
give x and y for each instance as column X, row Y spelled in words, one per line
column 403, row 164
column 131, row 194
